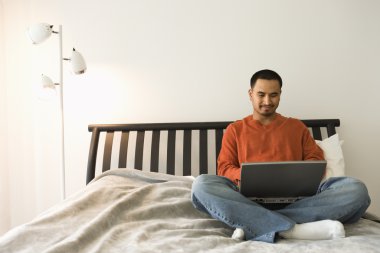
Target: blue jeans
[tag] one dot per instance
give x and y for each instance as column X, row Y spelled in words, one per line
column 341, row 198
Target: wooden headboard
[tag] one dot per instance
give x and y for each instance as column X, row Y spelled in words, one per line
column 164, row 142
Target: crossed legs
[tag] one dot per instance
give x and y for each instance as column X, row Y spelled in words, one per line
column 339, row 200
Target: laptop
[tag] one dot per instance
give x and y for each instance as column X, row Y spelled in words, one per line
column 281, row 182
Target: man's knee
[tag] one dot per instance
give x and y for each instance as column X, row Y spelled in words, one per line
column 352, row 187
column 199, row 182
column 360, row 191
column 199, row 190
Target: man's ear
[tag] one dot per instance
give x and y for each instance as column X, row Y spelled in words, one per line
column 250, row 94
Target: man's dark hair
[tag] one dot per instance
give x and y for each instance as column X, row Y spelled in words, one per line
column 265, row 74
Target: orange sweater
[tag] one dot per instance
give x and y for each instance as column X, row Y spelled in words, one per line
column 247, row 140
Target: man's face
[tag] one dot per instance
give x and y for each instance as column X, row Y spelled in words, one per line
column 265, row 97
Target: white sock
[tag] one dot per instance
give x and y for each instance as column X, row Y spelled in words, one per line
column 317, row 230
column 238, row 234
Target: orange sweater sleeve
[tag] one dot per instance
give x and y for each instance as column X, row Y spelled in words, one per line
column 228, row 163
column 311, row 151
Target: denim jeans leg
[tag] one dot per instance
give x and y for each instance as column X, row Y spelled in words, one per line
column 220, row 198
column 340, row 198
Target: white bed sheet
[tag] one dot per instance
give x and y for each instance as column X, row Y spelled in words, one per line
column 127, row 210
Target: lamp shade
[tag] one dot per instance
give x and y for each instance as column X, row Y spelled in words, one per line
column 47, row 83
column 78, row 65
column 39, row 32
column 47, row 89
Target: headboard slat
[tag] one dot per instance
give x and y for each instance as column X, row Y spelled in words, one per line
column 123, row 149
column 203, row 147
column 171, row 152
column 155, row 151
column 331, row 129
column 107, row 151
column 91, row 163
column 218, row 144
column 171, row 128
column 317, row 133
column 139, row 150
column 187, row 153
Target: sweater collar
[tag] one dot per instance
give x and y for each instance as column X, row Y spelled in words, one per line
column 277, row 121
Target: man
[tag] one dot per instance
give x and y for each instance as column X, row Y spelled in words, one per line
column 268, row 136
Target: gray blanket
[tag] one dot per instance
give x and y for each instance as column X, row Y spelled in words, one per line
column 127, row 210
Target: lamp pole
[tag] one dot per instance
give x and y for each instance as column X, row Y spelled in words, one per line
column 63, row 167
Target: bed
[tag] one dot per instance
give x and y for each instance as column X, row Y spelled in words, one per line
column 137, row 198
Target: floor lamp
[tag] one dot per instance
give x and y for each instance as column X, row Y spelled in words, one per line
column 37, row 34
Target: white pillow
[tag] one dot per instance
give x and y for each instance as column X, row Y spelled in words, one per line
column 333, row 155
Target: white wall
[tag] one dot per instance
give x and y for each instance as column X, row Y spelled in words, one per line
column 18, row 121
column 170, row 60
column 4, row 187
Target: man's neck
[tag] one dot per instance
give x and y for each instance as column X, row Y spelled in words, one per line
column 264, row 120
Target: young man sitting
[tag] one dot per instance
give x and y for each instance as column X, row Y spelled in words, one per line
column 266, row 135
